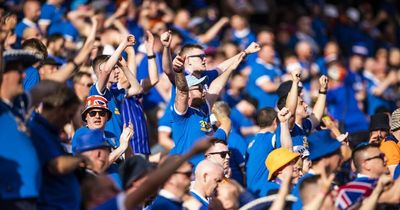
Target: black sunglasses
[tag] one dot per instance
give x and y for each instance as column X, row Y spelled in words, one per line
column 102, row 113
column 201, row 56
column 222, row 154
column 380, row 156
column 188, row 174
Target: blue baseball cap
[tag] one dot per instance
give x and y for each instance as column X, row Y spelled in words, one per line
column 193, row 81
column 86, row 139
column 322, row 144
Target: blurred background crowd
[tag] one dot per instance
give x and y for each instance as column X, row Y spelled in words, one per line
column 151, row 104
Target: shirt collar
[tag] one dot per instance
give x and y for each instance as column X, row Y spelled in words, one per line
column 242, row 33
column 198, row 195
column 266, row 65
column 362, row 176
column 29, row 23
column 166, row 194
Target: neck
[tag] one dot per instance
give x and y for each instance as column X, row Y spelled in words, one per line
column 298, row 120
column 267, row 129
column 199, row 189
column 178, row 192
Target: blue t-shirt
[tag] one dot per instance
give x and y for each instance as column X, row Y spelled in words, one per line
column 161, row 202
column 31, row 79
column 115, row 97
column 57, row 191
column 238, row 146
column 243, row 40
column 20, row 167
column 270, row 187
column 51, row 14
column 239, row 120
column 261, row 70
column 165, row 122
column 132, row 112
column 188, row 128
column 256, row 171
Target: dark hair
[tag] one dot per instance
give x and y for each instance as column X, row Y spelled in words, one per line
column 215, row 141
column 36, row 45
column 61, row 95
column 266, row 117
column 53, row 38
column 251, row 100
column 281, row 102
column 188, row 47
column 99, row 60
column 177, row 33
column 357, row 151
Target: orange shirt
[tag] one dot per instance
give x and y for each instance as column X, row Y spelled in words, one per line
column 391, row 151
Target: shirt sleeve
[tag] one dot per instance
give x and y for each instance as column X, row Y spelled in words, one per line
column 220, row 134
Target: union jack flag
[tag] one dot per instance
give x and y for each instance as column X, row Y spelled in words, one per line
column 352, row 193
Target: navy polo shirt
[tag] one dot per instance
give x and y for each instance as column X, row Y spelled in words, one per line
column 262, row 71
column 257, row 151
column 238, row 146
column 165, row 200
column 115, row 97
column 57, row 191
column 20, row 168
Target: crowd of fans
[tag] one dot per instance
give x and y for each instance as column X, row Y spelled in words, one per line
column 234, row 104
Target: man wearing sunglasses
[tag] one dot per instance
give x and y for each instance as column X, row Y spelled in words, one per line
column 220, row 154
column 370, row 164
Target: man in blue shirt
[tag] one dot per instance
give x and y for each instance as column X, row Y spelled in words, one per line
column 32, row 76
column 20, row 171
column 31, row 15
column 207, row 177
column 107, row 73
column 60, row 187
column 170, row 196
column 263, row 143
column 264, row 78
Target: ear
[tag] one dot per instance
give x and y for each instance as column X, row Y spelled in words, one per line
column 205, row 177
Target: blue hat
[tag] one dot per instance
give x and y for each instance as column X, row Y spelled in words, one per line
column 322, row 144
column 193, row 81
column 86, row 139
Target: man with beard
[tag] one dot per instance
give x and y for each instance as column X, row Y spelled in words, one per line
column 191, row 106
column 170, row 196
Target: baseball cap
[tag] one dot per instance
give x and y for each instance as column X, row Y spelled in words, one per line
column 284, row 88
column 322, row 144
column 95, row 101
column 277, row 159
column 134, row 168
column 395, row 121
column 25, row 57
column 379, row 121
column 86, row 139
column 193, row 81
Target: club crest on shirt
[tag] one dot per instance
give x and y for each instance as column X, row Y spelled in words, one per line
column 116, row 111
column 205, row 126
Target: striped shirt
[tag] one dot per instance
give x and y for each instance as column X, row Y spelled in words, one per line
column 132, row 112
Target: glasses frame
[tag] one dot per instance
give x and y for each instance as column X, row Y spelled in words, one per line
column 102, row 113
column 222, row 154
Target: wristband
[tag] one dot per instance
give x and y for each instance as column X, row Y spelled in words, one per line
column 245, row 53
column 76, row 66
column 322, row 92
column 151, row 56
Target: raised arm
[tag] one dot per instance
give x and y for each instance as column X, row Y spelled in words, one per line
column 166, row 39
column 220, row 110
column 219, row 83
column 291, row 100
column 64, row 164
column 213, row 31
column 126, row 135
column 182, row 89
column 252, row 48
column 319, row 107
column 152, row 80
column 286, row 140
column 129, row 69
column 68, row 69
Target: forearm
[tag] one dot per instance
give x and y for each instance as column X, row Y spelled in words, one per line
column 316, row 203
column 286, row 139
column 115, row 154
column 153, row 71
column 280, row 200
column 371, row 202
column 114, row 57
column 319, row 107
column 167, row 63
column 182, row 93
column 291, row 100
column 64, row 164
column 135, row 87
column 222, row 67
column 211, row 33
column 120, row 27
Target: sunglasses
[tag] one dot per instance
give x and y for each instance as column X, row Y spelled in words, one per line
column 380, row 156
column 201, row 56
column 102, row 113
column 223, row 154
column 188, row 174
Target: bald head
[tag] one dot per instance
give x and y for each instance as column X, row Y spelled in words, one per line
column 228, row 194
column 207, row 177
column 303, row 50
